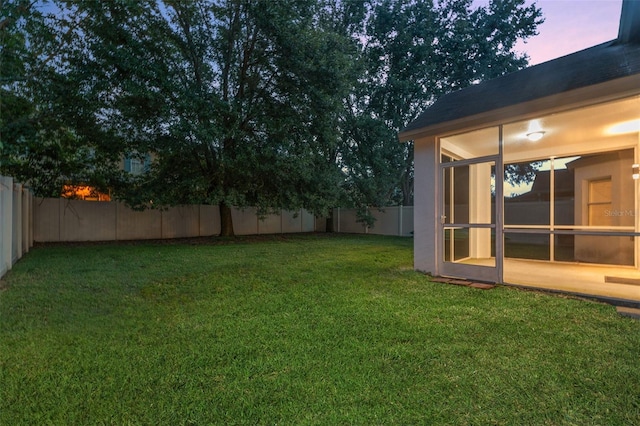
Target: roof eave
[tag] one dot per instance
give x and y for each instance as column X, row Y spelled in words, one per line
column 602, row 92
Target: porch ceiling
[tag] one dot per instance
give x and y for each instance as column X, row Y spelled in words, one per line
column 606, row 126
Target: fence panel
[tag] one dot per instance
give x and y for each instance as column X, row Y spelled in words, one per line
column 87, row 220
column 138, row 225
column 209, row 221
column 15, row 222
column 292, row 221
column 27, row 220
column 387, row 221
column 74, row 220
column 271, row 224
column 396, row 220
column 46, row 219
column 308, row 221
column 245, row 222
column 16, row 225
column 6, row 223
column 345, row 220
column 181, row 222
column 406, row 227
column 59, row 220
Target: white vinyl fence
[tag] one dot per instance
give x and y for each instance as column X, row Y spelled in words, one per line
column 389, row 221
column 16, row 236
column 25, row 219
column 62, row 220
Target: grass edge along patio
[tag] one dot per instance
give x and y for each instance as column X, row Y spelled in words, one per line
column 565, row 135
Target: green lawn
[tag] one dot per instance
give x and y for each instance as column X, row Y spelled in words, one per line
column 298, row 330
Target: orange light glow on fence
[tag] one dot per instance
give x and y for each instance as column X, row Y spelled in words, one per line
column 87, row 193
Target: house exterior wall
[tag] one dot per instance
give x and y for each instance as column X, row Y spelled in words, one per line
column 585, row 139
column 425, row 214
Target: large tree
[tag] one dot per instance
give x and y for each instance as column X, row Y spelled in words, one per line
column 415, row 51
column 273, row 104
column 235, row 100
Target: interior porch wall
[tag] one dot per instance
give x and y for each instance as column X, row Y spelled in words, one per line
column 590, row 249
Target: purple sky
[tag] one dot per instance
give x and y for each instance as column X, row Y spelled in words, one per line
column 570, row 26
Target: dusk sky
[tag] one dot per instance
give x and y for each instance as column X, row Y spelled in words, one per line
column 570, row 26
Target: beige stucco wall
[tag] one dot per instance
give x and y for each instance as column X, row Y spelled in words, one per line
column 425, row 215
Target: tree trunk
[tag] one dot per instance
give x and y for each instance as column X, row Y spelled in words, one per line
column 329, row 222
column 407, row 192
column 226, row 220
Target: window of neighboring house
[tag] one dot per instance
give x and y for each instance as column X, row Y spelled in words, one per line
column 600, row 202
column 136, row 166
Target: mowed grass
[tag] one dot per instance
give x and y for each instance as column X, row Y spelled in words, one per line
column 298, row 330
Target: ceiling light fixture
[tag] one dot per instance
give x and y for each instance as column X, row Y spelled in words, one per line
column 632, row 126
column 535, row 136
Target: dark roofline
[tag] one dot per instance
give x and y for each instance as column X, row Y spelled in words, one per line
column 629, row 29
column 597, row 65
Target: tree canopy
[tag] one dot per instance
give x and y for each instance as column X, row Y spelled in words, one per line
column 273, row 104
column 416, row 51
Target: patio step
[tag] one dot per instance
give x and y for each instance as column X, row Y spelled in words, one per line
column 628, row 312
column 457, row 281
column 622, row 280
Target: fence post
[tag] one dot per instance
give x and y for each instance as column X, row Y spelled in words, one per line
column 400, row 215
column 366, row 226
column 16, row 225
column 6, row 221
column 117, row 218
column 26, row 213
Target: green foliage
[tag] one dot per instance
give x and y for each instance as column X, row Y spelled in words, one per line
column 273, row 104
column 298, row 330
column 415, row 51
column 236, row 101
column 48, row 137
